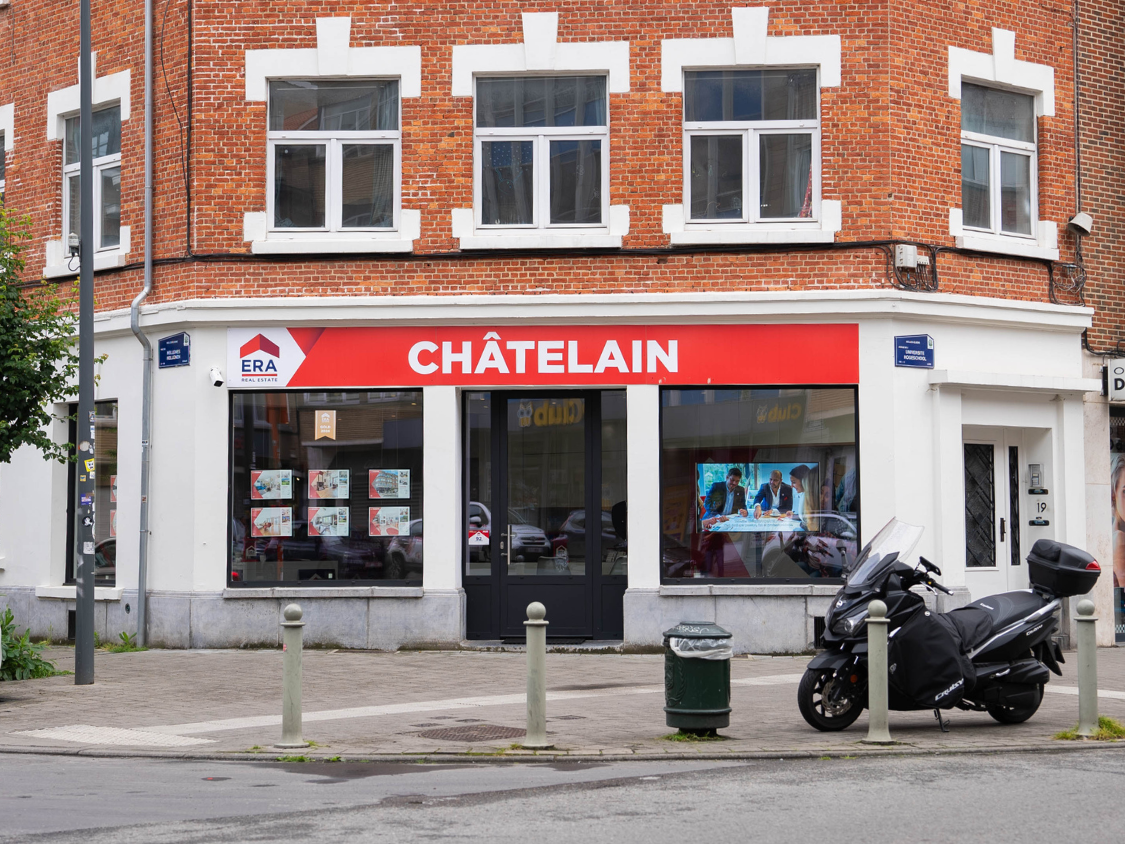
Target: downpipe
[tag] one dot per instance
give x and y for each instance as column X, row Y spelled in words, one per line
column 146, row 346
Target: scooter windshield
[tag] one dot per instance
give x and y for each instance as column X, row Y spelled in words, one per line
column 896, row 538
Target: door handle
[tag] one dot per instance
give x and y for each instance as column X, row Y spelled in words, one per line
column 1002, row 528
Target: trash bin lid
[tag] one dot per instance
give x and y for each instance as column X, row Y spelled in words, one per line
column 697, row 630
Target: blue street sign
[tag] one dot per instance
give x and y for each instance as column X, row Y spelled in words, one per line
column 915, row 350
column 174, row 350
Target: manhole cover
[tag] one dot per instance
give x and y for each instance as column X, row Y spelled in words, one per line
column 475, row 732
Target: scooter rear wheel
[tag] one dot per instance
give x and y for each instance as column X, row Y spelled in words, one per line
column 814, row 699
column 1016, row 714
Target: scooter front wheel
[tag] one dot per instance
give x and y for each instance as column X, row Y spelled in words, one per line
column 825, row 706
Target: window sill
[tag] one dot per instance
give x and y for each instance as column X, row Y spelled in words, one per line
column 70, row 593
column 1044, row 247
column 683, row 233
column 59, row 266
column 288, row 592
column 718, row 589
column 470, row 237
column 264, row 242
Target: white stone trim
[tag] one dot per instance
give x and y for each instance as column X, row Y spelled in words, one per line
column 8, row 125
column 1045, row 245
column 65, row 102
column 68, row 593
column 333, row 57
column 541, row 50
column 58, row 266
column 1013, row 382
column 821, row 231
column 255, row 229
column 1001, row 67
column 463, row 221
column 750, row 46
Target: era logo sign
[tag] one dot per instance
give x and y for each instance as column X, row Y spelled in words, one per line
column 259, row 359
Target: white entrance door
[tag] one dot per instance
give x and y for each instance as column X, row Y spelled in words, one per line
column 994, row 551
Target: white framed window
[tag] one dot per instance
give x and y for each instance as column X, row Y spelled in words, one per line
column 107, row 177
column 7, row 137
column 1002, row 99
column 751, row 145
column 998, row 161
column 541, row 146
column 3, row 164
column 334, row 155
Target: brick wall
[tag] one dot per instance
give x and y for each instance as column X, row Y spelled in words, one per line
column 890, row 142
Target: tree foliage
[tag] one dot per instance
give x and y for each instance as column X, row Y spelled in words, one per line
column 38, row 355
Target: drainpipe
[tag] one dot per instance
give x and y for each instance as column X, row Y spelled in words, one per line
column 135, row 325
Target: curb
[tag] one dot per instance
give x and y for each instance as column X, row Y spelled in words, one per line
column 527, row 758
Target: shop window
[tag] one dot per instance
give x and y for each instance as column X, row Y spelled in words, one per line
column 334, row 155
column 1117, row 502
column 542, row 145
column 327, row 490
column 107, row 178
column 105, row 494
column 752, row 145
column 758, row 483
column 998, row 161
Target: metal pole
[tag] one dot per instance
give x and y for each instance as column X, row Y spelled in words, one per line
column 84, row 488
column 291, row 633
column 1087, row 669
column 146, row 346
column 536, row 625
column 878, row 731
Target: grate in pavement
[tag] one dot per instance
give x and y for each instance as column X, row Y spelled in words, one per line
column 569, row 718
column 427, row 724
column 474, row 732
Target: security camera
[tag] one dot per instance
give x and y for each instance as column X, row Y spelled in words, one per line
column 216, row 376
column 1081, row 224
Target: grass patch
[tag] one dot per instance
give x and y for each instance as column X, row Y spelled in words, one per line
column 1108, row 730
column 293, row 759
column 709, row 735
column 332, row 759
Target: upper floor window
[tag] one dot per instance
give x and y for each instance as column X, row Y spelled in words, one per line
column 542, row 144
column 107, row 177
column 998, row 166
column 752, row 145
column 334, row 155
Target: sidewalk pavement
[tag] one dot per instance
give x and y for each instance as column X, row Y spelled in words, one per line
column 470, row 706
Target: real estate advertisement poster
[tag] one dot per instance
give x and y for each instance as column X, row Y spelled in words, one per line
column 388, row 521
column 328, row 521
column 329, row 483
column 271, row 483
column 1117, row 532
column 388, row 483
column 271, row 521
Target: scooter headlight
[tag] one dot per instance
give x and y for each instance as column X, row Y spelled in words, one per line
column 851, row 625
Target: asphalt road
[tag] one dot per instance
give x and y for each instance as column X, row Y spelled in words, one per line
column 1059, row 797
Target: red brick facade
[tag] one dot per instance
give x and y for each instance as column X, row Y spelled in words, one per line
column 890, row 144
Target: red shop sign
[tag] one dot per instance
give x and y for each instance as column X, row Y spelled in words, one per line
column 542, row 355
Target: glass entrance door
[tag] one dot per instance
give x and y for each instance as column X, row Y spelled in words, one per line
column 546, row 512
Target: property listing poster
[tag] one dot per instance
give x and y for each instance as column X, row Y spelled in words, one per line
column 113, row 523
column 388, row 483
column 329, row 483
column 388, row 521
column 113, row 489
column 271, row 521
column 271, row 483
column 328, row 521
column 1117, row 532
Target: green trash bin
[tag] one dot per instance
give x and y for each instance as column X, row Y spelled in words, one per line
column 697, row 676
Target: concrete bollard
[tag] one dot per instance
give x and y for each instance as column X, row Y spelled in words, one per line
column 291, row 634
column 878, row 731
column 536, row 625
column 1087, row 669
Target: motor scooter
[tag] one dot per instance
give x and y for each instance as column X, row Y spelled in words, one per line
column 993, row 655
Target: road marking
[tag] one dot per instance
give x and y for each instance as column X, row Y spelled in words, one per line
column 176, row 735
column 1073, row 690
column 85, row 734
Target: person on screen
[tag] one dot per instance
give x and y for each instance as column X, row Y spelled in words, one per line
column 724, row 499
column 803, row 479
column 774, row 496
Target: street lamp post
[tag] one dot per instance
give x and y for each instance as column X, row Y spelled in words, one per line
column 84, row 488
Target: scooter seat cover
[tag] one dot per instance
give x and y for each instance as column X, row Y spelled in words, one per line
column 1008, row 607
column 974, row 625
column 925, row 661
